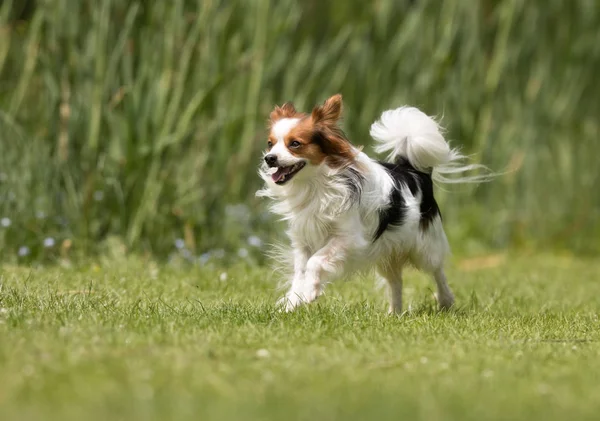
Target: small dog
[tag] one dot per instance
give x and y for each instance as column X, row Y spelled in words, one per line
column 348, row 212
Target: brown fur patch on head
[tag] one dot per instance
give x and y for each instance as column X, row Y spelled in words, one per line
column 318, row 137
column 300, row 141
column 287, row 110
column 329, row 136
column 337, row 149
column 329, row 112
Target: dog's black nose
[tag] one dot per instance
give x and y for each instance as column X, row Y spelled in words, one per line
column 271, row 160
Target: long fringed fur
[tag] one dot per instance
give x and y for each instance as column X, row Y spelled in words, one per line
column 409, row 133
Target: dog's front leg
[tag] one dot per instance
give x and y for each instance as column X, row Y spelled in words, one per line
column 307, row 284
column 295, row 295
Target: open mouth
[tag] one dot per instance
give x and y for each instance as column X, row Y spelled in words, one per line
column 285, row 174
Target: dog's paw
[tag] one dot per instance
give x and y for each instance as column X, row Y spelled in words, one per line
column 292, row 300
column 445, row 302
column 285, row 304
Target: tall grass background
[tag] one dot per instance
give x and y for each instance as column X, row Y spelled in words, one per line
column 137, row 126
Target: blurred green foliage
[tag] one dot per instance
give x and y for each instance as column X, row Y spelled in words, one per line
column 142, row 122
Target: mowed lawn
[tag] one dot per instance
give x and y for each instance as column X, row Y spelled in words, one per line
column 132, row 340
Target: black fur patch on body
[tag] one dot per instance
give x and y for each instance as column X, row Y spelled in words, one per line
column 354, row 180
column 404, row 174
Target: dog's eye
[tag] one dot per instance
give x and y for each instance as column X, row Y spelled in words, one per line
column 270, row 144
column 294, row 144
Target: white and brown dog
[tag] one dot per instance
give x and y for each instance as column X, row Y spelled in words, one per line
column 348, row 212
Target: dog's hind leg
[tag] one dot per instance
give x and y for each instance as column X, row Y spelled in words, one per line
column 391, row 271
column 445, row 296
column 430, row 255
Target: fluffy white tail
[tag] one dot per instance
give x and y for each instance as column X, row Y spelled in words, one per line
column 409, row 133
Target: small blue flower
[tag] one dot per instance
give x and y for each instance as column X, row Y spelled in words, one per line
column 5, row 222
column 255, row 241
column 186, row 254
column 243, row 253
column 49, row 242
column 179, row 243
column 23, row 251
column 204, row 258
column 98, row 195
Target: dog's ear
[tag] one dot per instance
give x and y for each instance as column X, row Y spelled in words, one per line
column 287, row 110
column 329, row 112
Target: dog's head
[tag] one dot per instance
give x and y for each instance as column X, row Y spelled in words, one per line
column 300, row 144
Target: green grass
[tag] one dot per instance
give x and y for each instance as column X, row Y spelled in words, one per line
column 131, row 340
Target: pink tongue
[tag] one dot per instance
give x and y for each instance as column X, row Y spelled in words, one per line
column 281, row 171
